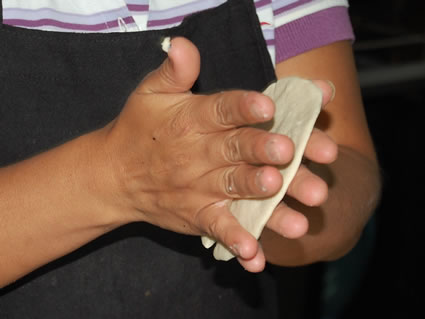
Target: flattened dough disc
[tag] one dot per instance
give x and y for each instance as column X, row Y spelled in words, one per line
column 298, row 103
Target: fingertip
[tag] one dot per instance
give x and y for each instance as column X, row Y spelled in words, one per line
column 178, row 72
column 321, row 148
column 261, row 108
column 294, row 225
column 279, row 149
column 288, row 222
column 255, row 264
column 308, row 188
column 328, row 90
column 330, row 153
column 184, row 55
column 269, row 180
column 245, row 248
column 318, row 193
column 219, row 223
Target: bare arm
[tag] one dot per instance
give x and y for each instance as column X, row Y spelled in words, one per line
column 336, row 216
column 171, row 159
column 50, row 206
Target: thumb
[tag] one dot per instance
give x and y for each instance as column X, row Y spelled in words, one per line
column 177, row 73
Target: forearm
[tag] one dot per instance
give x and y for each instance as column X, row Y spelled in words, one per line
column 50, row 205
column 335, row 226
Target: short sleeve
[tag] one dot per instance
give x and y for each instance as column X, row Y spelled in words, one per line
column 304, row 25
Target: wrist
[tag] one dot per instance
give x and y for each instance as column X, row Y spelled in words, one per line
column 99, row 179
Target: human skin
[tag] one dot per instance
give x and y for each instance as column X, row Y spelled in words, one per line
column 325, row 215
column 140, row 168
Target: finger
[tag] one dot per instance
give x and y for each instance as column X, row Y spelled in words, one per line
column 177, row 73
column 218, row 223
column 308, row 188
column 328, row 90
column 243, row 181
column 255, row 264
column 231, row 109
column 288, row 222
column 250, row 145
column 321, row 148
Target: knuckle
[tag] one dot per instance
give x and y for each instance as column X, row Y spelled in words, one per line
column 179, row 123
column 217, row 228
column 232, row 148
column 217, row 223
column 228, row 183
column 221, row 114
column 208, row 220
column 213, row 227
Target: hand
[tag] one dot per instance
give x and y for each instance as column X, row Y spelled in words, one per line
column 177, row 157
column 353, row 178
column 307, row 188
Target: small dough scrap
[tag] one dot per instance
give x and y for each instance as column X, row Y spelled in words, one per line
column 166, row 44
column 298, row 104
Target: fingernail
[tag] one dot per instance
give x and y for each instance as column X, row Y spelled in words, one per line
column 259, row 182
column 258, row 112
column 333, row 90
column 271, row 151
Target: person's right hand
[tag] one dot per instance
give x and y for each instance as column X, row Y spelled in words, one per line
column 176, row 157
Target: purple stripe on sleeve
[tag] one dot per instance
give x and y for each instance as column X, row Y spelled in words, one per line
column 157, row 23
column 313, row 31
column 65, row 25
column 138, row 7
column 277, row 11
column 262, row 3
column 271, row 42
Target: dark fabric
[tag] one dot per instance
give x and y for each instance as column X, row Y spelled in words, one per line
column 56, row 86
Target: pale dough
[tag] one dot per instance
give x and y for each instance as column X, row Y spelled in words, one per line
column 298, row 103
column 166, row 44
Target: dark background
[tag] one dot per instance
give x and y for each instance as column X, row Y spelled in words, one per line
column 390, row 54
column 383, row 276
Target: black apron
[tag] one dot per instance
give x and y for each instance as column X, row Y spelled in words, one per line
column 56, row 86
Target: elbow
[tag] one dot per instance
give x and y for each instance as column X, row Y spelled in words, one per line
column 346, row 245
column 349, row 237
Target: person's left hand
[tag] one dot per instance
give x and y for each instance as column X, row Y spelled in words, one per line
column 307, row 188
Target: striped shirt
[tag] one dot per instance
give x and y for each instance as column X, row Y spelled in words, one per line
column 290, row 27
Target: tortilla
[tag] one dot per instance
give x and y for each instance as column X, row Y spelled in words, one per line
column 298, row 104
